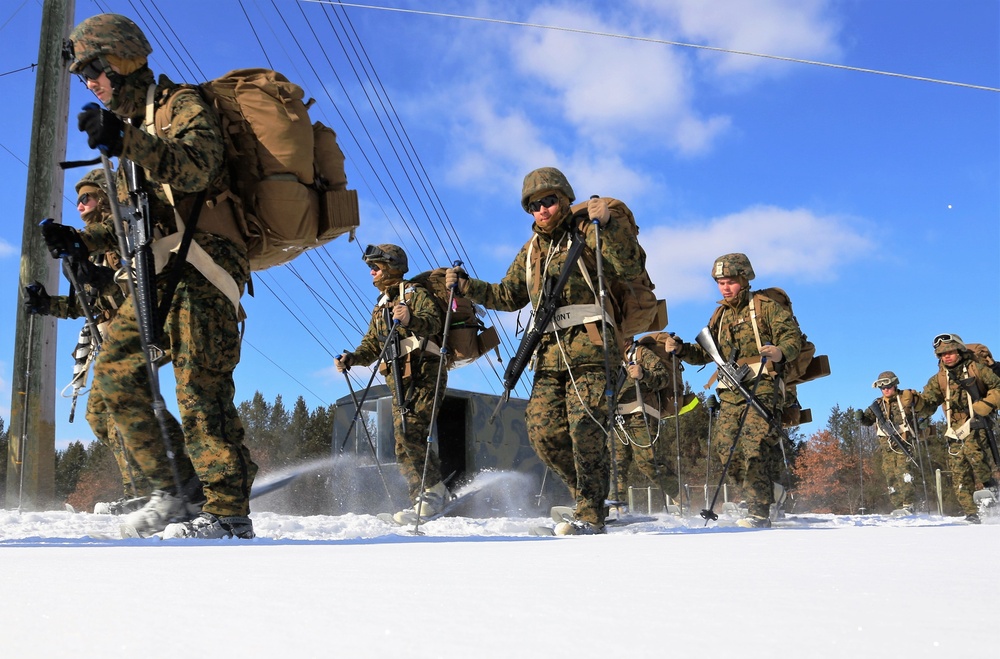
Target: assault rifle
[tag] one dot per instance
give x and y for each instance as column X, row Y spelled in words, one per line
column 889, row 429
column 969, row 385
column 134, row 228
column 542, row 317
column 391, row 356
column 733, row 378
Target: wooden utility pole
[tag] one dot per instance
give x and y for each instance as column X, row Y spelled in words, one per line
column 31, row 454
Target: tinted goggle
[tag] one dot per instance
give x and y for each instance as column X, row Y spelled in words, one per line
column 92, row 70
column 884, row 383
column 945, row 338
column 544, row 202
column 84, row 198
column 373, row 254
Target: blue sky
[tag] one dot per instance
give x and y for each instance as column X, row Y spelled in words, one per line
column 873, row 200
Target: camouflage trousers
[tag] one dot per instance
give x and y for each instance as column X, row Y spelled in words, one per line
column 202, row 337
column 649, row 453
column 134, row 482
column 412, row 446
column 566, row 429
column 900, row 474
column 970, row 468
column 757, row 461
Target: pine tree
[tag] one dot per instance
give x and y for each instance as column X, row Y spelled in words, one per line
column 100, row 480
column 70, row 463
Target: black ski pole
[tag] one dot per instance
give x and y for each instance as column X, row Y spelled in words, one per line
column 920, row 457
column 678, row 403
column 364, row 395
column 609, row 385
column 708, row 514
column 371, row 444
column 712, row 403
column 437, row 394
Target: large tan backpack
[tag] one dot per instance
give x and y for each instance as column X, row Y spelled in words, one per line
column 468, row 337
column 286, row 173
column 982, row 357
column 637, row 310
column 808, row 365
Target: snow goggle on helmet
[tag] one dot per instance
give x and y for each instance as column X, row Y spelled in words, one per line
column 947, row 342
column 884, row 383
column 391, row 255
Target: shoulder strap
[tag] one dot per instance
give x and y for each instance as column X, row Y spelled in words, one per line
column 753, row 321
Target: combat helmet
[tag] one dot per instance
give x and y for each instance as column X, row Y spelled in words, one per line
column 391, row 255
column 885, row 379
column 541, row 179
column 733, row 265
column 107, row 34
column 93, row 179
column 947, row 343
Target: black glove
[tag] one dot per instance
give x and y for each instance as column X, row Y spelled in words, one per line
column 63, row 241
column 87, row 273
column 37, row 300
column 103, row 128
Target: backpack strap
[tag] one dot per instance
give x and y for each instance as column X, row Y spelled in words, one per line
column 753, row 322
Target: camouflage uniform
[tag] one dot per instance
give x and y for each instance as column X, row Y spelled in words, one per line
column 897, row 467
column 104, row 305
column 757, row 460
column 201, row 332
column 567, row 409
column 419, row 370
column 638, row 434
column 969, row 459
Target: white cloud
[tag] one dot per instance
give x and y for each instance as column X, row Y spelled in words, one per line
column 6, row 249
column 789, row 28
column 612, row 91
column 781, row 243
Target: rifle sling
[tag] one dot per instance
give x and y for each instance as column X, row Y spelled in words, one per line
column 174, row 276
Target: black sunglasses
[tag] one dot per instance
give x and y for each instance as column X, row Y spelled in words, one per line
column 84, row 198
column 538, row 204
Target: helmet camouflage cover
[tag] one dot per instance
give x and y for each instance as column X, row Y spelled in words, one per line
column 388, row 254
column 107, row 34
column 94, row 178
column 542, row 179
column 886, row 379
column 732, row 265
column 948, row 343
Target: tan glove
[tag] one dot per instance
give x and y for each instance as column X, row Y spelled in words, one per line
column 982, row 408
column 401, row 312
column 907, row 397
column 456, row 276
column 773, row 353
column 597, row 209
column 672, row 343
column 344, row 362
column 634, row 371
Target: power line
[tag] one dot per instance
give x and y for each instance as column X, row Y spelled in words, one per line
column 664, row 42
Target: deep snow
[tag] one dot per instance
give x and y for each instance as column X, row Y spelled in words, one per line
column 353, row 586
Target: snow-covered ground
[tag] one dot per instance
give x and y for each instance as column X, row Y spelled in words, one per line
column 354, row 586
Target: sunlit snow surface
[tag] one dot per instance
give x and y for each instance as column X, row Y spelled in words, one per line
column 354, row 586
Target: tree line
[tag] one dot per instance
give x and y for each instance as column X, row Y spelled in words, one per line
column 837, row 469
